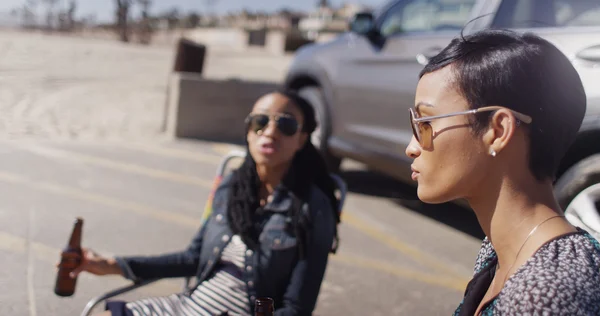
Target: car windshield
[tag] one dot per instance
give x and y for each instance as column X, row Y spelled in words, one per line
column 382, row 9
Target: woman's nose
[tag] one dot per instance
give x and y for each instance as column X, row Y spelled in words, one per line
column 270, row 129
column 413, row 150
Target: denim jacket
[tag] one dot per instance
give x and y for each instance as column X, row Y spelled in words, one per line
column 276, row 271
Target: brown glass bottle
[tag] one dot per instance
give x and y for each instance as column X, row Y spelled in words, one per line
column 263, row 306
column 70, row 259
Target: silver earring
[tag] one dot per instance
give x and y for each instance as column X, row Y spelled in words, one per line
column 492, row 152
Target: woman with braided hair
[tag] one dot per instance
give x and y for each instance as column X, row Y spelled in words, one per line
column 272, row 226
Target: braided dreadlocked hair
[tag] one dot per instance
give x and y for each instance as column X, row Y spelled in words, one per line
column 306, row 169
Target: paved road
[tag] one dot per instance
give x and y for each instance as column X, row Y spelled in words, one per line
column 146, row 198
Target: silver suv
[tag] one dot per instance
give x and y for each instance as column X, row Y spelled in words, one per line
column 363, row 82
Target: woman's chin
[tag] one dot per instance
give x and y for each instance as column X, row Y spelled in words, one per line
column 430, row 196
column 268, row 161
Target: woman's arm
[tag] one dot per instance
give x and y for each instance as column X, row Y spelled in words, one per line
column 172, row 265
column 301, row 295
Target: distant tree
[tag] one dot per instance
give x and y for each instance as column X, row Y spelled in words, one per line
column 209, row 6
column 61, row 18
column 50, row 14
column 145, row 7
column 88, row 21
column 145, row 25
column 193, row 20
column 122, row 15
column 285, row 12
column 28, row 17
column 172, row 17
column 210, row 3
column 71, row 15
column 28, row 14
column 323, row 3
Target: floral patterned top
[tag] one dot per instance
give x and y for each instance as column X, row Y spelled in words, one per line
column 561, row 278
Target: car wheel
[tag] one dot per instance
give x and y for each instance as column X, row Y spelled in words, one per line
column 578, row 193
column 319, row 137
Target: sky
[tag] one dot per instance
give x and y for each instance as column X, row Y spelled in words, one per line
column 104, row 9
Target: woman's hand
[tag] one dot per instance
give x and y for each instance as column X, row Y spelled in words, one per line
column 96, row 264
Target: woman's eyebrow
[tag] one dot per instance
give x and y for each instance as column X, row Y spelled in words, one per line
column 418, row 106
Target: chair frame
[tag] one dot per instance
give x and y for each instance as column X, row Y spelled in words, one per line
column 341, row 186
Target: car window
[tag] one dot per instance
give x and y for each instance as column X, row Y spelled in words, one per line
column 577, row 12
column 548, row 13
column 425, row 16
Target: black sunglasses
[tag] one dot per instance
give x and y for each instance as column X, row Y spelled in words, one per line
column 286, row 124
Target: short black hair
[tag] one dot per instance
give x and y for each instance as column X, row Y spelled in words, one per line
column 525, row 73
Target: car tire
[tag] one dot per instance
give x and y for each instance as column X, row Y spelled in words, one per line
column 314, row 96
column 578, row 194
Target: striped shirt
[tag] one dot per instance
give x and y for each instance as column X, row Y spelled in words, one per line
column 224, row 292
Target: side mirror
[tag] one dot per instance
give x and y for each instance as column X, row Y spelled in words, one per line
column 362, row 23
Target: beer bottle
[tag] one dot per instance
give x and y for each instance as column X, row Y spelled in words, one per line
column 263, row 306
column 71, row 258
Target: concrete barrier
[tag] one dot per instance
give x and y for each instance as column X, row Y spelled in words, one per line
column 233, row 38
column 210, row 109
column 275, row 42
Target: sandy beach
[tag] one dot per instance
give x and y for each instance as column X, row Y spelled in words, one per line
column 68, row 87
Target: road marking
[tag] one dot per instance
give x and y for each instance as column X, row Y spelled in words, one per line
column 348, row 218
column 115, row 203
column 30, row 266
column 48, row 254
column 114, row 165
column 396, row 244
column 224, row 149
column 371, row 231
column 12, row 243
column 9, row 242
column 51, row 255
column 19, row 245
column 406, row 273
column 173, row 217
column 172, row 152
column 153, row 147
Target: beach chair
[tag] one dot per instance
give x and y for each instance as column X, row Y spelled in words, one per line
column 221, row 172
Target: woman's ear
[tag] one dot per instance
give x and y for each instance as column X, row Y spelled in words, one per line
column 500, row 131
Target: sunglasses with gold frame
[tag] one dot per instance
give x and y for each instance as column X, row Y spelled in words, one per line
column 423, row 131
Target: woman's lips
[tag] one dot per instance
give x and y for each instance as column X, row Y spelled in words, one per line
column 267, row 148
column 415, row 173
column 415, row 176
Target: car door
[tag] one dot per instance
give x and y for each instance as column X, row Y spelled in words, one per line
column 376, row 80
